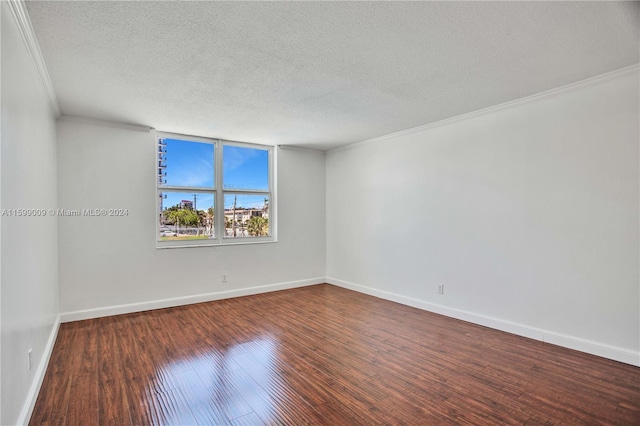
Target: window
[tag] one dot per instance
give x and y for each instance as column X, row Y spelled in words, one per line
column 213, row 192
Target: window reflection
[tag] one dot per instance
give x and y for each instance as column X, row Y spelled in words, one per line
column 217, row 386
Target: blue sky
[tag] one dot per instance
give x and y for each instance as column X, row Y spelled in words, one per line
column 189, row 163
column 192, row 164
column 245, row 168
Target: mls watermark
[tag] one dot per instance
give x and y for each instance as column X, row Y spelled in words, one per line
column 65, row 212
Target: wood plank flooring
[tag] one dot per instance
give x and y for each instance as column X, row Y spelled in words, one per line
column 321, row 355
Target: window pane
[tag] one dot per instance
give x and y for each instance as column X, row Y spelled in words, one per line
column 185, row 163
column 245, row 168
column 186, row 215
column 246, row 215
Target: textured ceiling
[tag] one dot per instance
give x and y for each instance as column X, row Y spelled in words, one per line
column 319, row 74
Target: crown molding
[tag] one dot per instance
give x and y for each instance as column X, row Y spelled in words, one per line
column 299, row 148
column 19, row 12
column 105, row 123
column 632, row 69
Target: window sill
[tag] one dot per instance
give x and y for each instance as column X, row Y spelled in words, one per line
column 162, row 246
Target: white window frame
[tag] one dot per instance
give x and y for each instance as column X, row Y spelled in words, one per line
column 219, row 192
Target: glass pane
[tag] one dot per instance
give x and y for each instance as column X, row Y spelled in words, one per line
column 246, row 215
column 186, row 215
column 245, row 168
column 184, row 163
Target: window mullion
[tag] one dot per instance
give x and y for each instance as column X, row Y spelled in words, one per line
column 218, row 185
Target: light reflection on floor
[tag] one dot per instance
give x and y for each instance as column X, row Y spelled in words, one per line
column 216, row 387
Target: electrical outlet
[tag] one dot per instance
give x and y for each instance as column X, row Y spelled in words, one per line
column 30, row 358
column 440, row 288
column 224, row 277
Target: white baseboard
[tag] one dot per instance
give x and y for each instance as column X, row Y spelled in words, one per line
column 185, row 300
column 34, row 390
column 582, row 345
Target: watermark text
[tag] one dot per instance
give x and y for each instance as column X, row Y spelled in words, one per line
column 65, row 212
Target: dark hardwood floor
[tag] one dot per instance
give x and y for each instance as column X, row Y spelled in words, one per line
column 321, row 355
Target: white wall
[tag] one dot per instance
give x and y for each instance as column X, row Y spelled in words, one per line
column 528, row 214
column 106, row 262
column 29, row 263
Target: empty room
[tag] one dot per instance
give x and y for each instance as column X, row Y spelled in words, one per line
column 324, row 213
